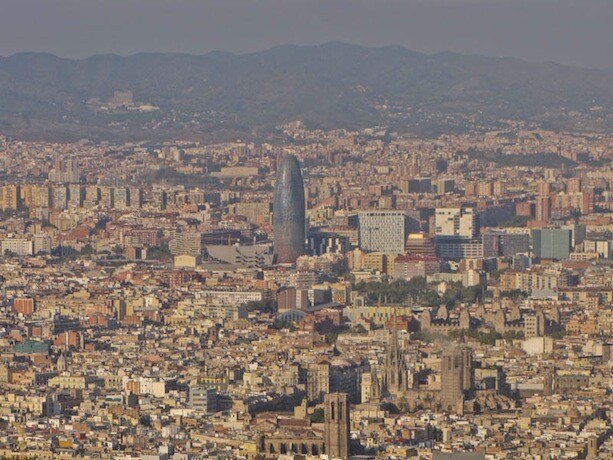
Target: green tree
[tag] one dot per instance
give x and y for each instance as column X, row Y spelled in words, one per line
column 277, row 324
column 87, row 250
column 515, row 294
column 263, row 306
column 317, row 416
column 397, row 291
column 403, row 404
column 513, row 335
column 158, row 252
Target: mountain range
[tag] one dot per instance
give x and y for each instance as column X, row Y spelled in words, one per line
column 334, row 85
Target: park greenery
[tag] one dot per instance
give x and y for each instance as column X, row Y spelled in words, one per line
column 317, row 416
column 514, row 294
column 417, row 291
column 263, row 306
column 158, row 252
column 544, row 159
column 486, row 337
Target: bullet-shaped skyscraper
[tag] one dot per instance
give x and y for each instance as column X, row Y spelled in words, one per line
column 288, row 212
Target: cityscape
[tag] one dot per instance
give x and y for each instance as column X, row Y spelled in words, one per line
column 205, row 284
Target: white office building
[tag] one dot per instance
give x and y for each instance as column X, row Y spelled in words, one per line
column 382, row 231
column 456, row 223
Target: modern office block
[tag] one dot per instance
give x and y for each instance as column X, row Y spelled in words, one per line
column 552, row 243
column 382, row 231
column 289, row 212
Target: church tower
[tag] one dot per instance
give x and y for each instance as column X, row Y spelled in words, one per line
column 336, row 425
column 375, row 388
column 61, row 363
column 592, row 447
column 467, row 369
column 395, row 376
column 452, row 380
column 426, row 320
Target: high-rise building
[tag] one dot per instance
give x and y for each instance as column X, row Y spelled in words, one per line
column 420, row 244
column 456, row 230
column 552, row 243
column 574, row 185
column 289, row 212
column 107, row 197
column 159, row 199
column 456, row 223
column 72, row 170
column 419, row 185
column 445, row 186
column 578, row 233
column 60, row 196
column 136, row 197
column 512, row 244
column 10, row 196
column 187, row 243
column 42, row 196
column 65, row 171
column 587, row 202
column 382, row 231
column 76, row 194
column 460, row 249
column 504, row 244
column 544, row 188
column 92, row 196
column 543, row 208
column 122, row 197
column 336, row 425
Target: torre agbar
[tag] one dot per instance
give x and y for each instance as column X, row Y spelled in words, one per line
column 289, row 212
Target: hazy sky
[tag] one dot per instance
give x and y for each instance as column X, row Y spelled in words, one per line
column 577, row 32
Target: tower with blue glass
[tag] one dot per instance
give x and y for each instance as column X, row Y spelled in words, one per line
column 289, row 212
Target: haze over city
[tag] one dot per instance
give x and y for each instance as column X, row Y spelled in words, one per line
column 306, row 230
column 564, row 31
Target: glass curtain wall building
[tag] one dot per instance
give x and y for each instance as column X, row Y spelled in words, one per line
column 289, row 212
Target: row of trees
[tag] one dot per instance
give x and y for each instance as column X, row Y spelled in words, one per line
column 486, row 338
column 416, row 290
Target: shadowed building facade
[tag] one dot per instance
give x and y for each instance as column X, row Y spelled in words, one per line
column 336, row 425
column 456, row 378
column 289, row 212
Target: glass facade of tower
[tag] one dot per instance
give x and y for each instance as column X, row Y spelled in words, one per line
column 289, row 212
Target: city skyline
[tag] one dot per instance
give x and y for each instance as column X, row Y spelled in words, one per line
column 338, row 249
column 437, row 294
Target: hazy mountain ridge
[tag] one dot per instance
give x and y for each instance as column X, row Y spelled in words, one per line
column 330, row 85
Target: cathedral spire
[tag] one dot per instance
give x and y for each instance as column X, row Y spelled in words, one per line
column 395, row 377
